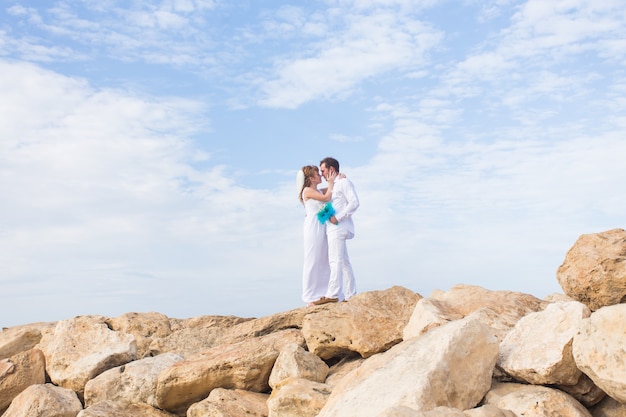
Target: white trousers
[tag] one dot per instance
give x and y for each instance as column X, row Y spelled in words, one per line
column 342, row 284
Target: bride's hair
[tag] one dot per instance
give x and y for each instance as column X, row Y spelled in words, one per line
column 309, row 171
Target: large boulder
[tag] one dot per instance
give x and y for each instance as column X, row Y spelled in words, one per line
column 534, row 401
column 295, row 362
column 82, row 348
column 223, row 402
column 594, row 271
column 122, row 409
column 21, row 338
column 45, row 400
column 144, row 326
column 244, row 365
column 369, row 323
column 296, row 397
column 599, row 350
column 450, row 365
column 18, row 373
column 133, row 382
column 547, row 359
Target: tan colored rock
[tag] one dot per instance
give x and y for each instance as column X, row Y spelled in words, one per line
column 190, row 336
column 122, row 409
column 450, row 365
column 297, row 397
column 14, row 340
column 295, row 362
column 584, row 391
column 45, row 400
column 594, row 271
column 548, row 359
column 133, row 382
column 369, row 323
column 400, row 411
column 18, row 373
column 342, row 368
column 534, row 401
column 599, row 350
column 244, row 365
column 82, row 348
column 428, row 314
column 488, row 410
column 230, row 403
column 608, row 407
column 509, row 305
column 144, row 326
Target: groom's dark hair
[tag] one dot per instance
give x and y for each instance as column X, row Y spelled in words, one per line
column 330, row 162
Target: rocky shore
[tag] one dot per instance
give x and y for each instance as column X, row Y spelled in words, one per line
column 464, row 352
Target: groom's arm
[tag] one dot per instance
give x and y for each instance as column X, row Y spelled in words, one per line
column 353, row 202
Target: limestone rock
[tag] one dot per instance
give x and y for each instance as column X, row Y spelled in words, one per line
column 45, row 400
column 230, row 403
column 83, row 347
column 342, row 368
column 133, row 382
column 547, row 359
column 144, row 326
column 122, row 409
column 594, row 271
column 450, row 365
column 428, row 314
column 245, row 365
column 21, row 338
column 19, row 372
column 190, row 336
column 599, row 350
column 534, row 401
column 509, row 305
column 295, row 362
column 369, row 323
column 297, row 397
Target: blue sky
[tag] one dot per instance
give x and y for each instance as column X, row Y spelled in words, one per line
column 148, row 150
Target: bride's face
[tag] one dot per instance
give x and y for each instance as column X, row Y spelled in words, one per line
column 316, row 179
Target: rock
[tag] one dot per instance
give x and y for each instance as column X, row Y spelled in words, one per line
column 230, row 403
column 369, row 323
column 295, row 362
column 82, row 348
column 340, row 369
column 193, row 335
column 45, row 400
column 510, row 306
column 608, row 407
column 534, row 401
column 548, row 359
column 428, row 314
column 594, row 271
column 599, row 350
column 449, row 366
column 18, row 373
column 133, row 382
column 244, row 365
column 144, row 326
column 21, row 338
column 122, row 409
column 296, row 397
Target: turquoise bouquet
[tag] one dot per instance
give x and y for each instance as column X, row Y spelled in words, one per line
column 325, row 213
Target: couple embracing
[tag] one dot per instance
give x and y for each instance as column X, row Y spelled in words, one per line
column 327, row 275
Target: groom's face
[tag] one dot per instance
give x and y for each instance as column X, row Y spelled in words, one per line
column 325, row 171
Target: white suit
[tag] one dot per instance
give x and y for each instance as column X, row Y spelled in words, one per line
column 345, row 201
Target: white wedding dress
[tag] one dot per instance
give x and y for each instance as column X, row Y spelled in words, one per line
column 315, row 271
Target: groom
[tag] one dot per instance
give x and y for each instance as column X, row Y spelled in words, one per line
column 345, row 202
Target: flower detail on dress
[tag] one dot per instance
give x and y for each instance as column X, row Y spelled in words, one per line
column 325, row 213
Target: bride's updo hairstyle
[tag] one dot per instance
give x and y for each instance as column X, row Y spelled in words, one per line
column 303, row 179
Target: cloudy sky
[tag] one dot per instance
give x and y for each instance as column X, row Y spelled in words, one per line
column 149, row 149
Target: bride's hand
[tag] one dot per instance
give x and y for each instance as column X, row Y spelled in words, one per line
column 332, row 177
